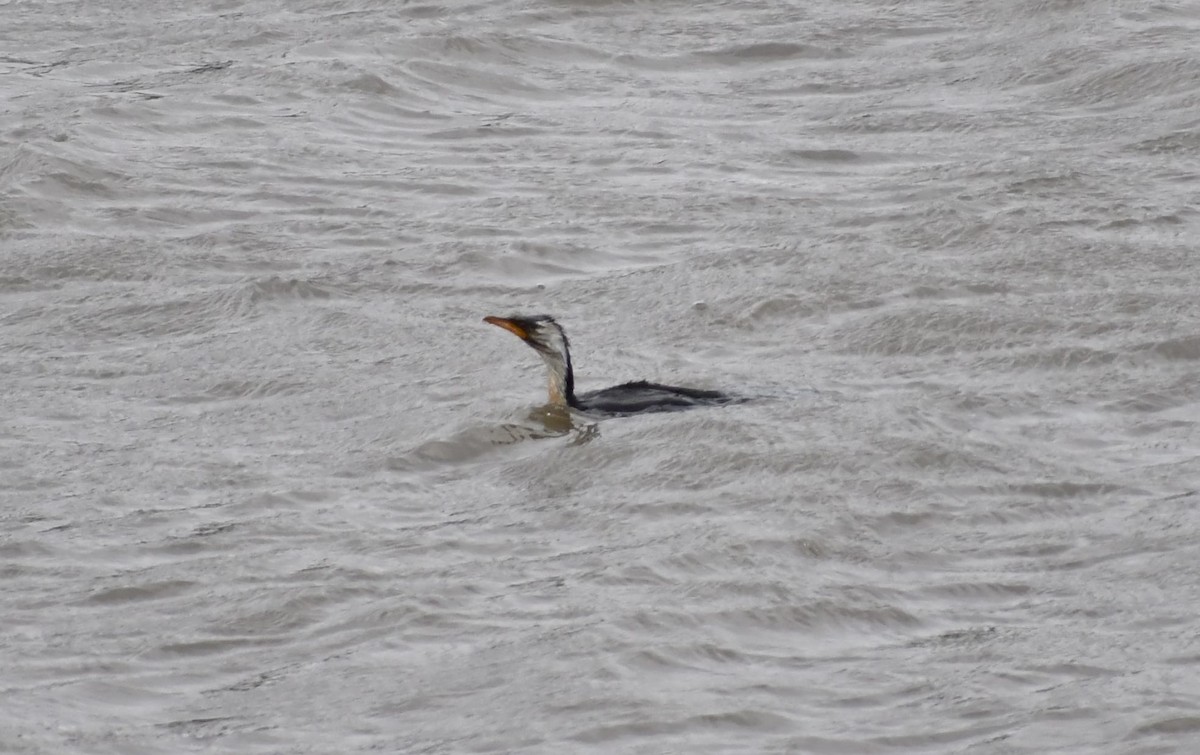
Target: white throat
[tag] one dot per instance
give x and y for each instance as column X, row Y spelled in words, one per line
column 553, row 351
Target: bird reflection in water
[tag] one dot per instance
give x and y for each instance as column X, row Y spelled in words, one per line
column 551, row 421
column 557, row 421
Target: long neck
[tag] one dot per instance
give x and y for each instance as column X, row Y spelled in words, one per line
column 561, row 377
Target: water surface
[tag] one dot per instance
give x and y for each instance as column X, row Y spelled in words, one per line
column 268, row 485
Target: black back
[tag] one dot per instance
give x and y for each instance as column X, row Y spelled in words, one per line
column 643, row 396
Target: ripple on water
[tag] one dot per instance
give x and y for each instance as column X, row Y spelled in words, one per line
column 207, row 310
column 1181, row 349
column 828, row 618
column 123, row 594
column 1128, row 83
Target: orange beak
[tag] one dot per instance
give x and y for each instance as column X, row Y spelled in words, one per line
column 508, row 325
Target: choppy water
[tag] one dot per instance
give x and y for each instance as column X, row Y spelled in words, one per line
column 268, row 485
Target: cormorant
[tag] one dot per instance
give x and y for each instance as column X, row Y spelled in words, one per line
column 550, row 342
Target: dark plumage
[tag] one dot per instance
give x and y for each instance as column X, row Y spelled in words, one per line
column 548, row 339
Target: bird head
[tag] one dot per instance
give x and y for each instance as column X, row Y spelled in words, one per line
column 541, row 332
column 547, row 338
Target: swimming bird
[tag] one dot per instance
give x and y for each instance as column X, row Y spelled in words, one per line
column 549, row 340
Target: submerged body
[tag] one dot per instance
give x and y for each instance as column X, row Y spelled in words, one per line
column 548, row 339
column 641, row 396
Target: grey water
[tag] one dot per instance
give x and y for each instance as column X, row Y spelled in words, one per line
column 268, row 485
